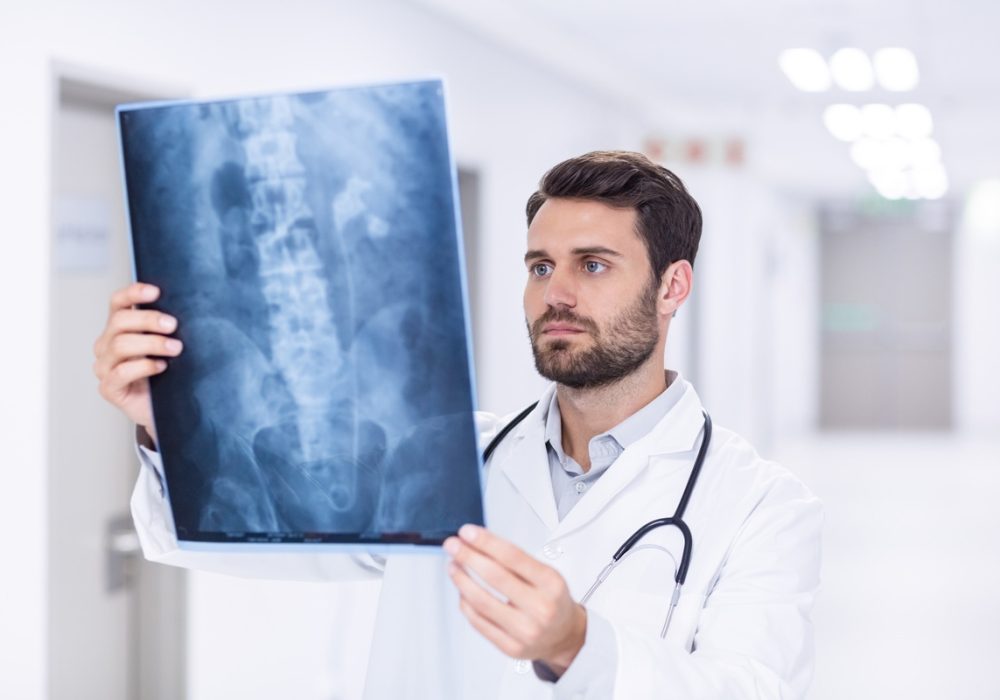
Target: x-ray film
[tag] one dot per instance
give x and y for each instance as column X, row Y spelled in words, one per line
column 309, row 246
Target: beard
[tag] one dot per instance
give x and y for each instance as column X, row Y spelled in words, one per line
column 617, row 350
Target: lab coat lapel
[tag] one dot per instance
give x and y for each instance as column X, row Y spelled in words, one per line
column 526, row 465
column 677, row 431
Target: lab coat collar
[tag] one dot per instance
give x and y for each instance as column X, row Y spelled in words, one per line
column 526, row 464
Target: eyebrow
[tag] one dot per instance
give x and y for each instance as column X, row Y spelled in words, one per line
column 590, row 250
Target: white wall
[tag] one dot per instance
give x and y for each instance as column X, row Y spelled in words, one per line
column 794, row 321
column 757, row 328
column 976, row 314
column 24, row 190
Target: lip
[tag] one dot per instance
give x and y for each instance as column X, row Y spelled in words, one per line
column 561, row 329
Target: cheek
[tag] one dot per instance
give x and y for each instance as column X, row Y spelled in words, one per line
column 533, row 301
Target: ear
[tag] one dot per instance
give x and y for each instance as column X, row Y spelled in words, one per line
column 675, row 287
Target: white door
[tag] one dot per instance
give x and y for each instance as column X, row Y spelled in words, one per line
column 115, row 623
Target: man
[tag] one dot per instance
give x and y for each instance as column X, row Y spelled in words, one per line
column 533, row 611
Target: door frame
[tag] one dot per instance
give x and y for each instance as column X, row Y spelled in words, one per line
column 158, row 615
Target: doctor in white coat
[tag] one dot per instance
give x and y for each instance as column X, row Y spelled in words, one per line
column 609, row 447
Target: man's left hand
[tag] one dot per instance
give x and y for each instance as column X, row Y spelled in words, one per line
column 529, row 613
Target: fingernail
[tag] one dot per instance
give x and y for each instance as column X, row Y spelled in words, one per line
column 468, row 532
column 161, row 365
column 168, row 323
column 149, row 292
column 173, row 345
column 451, row 545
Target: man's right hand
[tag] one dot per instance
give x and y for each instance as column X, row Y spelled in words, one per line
column 129, row 351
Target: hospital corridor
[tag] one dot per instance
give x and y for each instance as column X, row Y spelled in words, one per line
column 331, row 196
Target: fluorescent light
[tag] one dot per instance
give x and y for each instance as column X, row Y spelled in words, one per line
column 914, row 121
column 881, row 154
column 896, row 69
column 930, row 182
column 868, row 153
column 852, row 70
column 806, row 69
column 891, row 184
column 921, row 183
column 878, row 121
column 924, row 152
column 844, row 121
column 895, row 154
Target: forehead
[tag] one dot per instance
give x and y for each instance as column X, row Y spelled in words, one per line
column 572, row 223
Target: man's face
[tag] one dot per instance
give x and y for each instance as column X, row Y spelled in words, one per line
column 590, row 303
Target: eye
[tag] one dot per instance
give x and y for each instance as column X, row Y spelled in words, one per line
column 541, row 269
column 594, row 266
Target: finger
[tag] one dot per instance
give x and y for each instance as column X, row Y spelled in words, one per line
column 137, row 293
column 129, row 346
column 128, row 372
column 500, row 639
column 141, row 320
column 130, row 321
column 507, row 553
column 503, row 580
column 507, row 618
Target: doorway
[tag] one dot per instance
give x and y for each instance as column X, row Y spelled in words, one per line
column 116, row 623
column 886, row 336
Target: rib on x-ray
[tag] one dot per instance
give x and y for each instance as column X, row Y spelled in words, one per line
column 308, row 246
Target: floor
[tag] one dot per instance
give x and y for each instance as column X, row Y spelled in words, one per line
column 910, row 605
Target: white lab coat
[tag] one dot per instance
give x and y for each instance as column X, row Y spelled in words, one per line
column 741, row 628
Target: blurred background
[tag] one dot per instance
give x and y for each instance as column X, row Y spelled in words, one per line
column 846, row 157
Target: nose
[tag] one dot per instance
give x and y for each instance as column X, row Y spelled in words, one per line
column 559, row 290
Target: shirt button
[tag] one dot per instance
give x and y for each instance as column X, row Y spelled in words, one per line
column 522, row 666
column 552, row 550
column 580, row 487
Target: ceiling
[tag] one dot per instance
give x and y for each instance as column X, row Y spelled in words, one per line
column 719, row 60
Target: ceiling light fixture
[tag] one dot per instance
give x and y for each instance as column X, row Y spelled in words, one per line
column 890, row 184
column 930, row 182
column 924, row 152
column 843, row 121
column 806, row 69
column 914, row 121
column 852, row 70
column 868, row 153
column 896, row 69
column 878, row 121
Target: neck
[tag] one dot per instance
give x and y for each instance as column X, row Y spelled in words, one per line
column 588, row 412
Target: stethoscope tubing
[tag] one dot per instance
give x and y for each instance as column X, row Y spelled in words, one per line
column 676, row 520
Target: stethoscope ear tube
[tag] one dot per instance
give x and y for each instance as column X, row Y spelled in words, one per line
column 696, row 469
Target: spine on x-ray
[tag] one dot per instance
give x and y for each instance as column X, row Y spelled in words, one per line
column 303, row 331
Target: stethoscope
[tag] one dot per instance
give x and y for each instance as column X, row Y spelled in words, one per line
column 629, row 546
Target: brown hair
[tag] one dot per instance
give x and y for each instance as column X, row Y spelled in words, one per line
column 667, row 218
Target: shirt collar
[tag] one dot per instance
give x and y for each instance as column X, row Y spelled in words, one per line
column 553, row 428
column 629, row 430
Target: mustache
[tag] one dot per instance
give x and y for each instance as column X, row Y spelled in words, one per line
column 562, row 316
